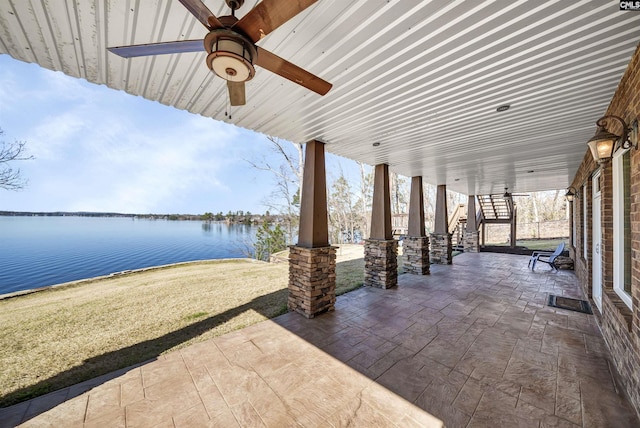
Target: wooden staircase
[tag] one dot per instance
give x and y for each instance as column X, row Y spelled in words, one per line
column 493, row 209
column 497, row 209
column 458, row 226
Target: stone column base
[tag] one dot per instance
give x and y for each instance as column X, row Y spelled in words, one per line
column 415, row 250
column 471, row 242
column 441, row 249
column 564, row 262
column 381, row 263
column 312, row 280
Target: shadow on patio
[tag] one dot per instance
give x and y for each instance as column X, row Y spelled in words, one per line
column 472, row 344
column 475, row 345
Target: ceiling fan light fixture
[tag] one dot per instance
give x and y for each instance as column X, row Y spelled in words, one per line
column 230, row 45
column 230, row 55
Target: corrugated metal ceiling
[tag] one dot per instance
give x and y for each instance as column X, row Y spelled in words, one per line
column 422, row 78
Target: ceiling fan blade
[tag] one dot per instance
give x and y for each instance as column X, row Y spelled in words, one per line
column 202, row 13
column 158, row 48
column 269, row 15
column 236, row 93
column 284, row 68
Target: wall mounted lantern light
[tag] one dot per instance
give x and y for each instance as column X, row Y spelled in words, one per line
column 571, row 193
column 604, row 143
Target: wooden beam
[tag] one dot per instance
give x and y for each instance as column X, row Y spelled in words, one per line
column 416, row 209
column 314, row 230
column 381, row 209
column 472, row 224
column 441, row 225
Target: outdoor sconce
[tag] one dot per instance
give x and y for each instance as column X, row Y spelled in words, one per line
column 571, row 193
column 604, row 143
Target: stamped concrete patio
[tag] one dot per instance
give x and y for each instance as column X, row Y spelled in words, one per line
column 471, row 345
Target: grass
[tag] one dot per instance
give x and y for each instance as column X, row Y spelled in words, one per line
column 65, row 335
column 534, row 244
column 541, row 244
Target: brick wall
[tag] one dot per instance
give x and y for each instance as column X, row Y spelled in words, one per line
column 620, row 326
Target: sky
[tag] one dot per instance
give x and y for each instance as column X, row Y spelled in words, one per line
column 101, row 150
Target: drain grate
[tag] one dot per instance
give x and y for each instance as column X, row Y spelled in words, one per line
column 569, row 304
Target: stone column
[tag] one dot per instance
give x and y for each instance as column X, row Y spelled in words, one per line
column 415, row 247
column 312, row 261
column 381, row 250
column 471, row 238
column 441, row 250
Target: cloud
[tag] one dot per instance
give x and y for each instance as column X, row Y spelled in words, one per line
column 99, row 149
column 142, row 172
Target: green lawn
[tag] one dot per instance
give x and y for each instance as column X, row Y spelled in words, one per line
column 541, row 244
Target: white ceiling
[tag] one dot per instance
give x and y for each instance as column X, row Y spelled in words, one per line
column 422, row 78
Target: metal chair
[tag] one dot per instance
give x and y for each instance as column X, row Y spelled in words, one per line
column 547, row 257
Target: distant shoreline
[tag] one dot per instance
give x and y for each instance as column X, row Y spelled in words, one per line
column 244, row 217
column 119, row 274
column 97, row 214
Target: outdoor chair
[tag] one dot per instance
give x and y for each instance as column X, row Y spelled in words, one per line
column 547, row 257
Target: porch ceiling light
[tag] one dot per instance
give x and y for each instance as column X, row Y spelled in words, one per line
column 604, row 143
column 571, row 193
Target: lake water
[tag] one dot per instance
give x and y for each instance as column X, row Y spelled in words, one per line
column 41, row 251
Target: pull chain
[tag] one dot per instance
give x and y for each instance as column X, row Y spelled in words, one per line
column 227, row 112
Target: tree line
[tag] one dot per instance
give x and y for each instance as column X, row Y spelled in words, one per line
column 349, row 200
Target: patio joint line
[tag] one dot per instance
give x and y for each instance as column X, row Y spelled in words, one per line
column 281, row 398
column 257, row 413
column 86, row 405
column 518, row 399
column 613, row 377
column 196, row 385
column 509, row 360
column 476, row 408
column 220, row 391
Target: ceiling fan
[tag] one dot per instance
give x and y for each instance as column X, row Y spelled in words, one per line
column 509, row 195
column 231, row 48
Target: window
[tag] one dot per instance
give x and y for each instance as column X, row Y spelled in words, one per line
column 585, row 250
column 622, row 225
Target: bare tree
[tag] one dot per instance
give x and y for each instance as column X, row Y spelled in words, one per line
column 10, row 178
column 346, row 221
column 429, row 194
column 399, row 193
column 287, row 176
column 365, row 199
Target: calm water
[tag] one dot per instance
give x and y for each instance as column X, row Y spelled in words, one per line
column 40, row 251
